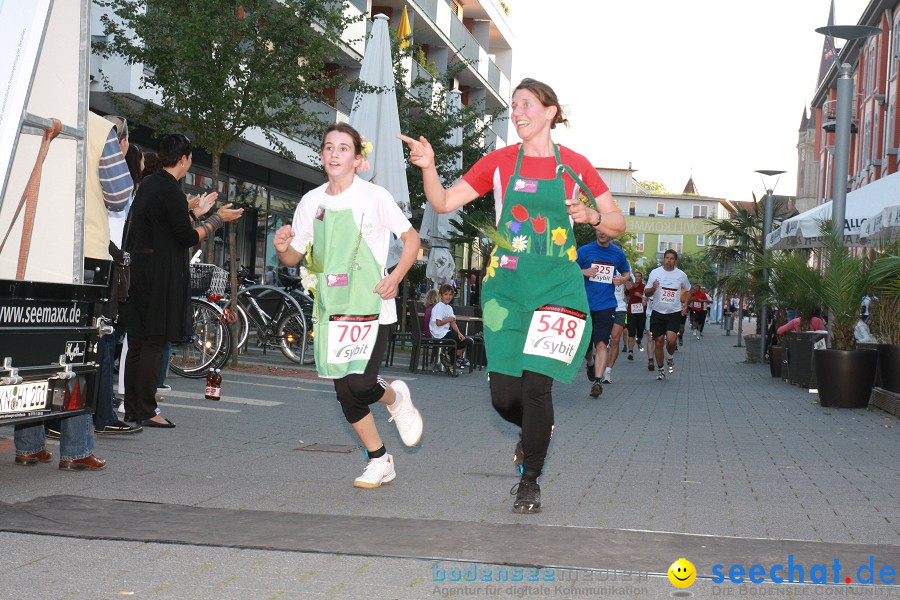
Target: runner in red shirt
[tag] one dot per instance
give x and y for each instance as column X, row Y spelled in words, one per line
column 636, row 308
column 699, row 302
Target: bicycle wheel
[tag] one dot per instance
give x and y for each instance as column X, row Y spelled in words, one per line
column 295, row 339
column 208, row 346
column 243, row 328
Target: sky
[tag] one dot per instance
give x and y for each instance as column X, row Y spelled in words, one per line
column 709, row 88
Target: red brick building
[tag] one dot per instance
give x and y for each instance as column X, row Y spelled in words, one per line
column 875, row 136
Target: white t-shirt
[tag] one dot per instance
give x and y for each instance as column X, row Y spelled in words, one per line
column 620, row 295
column 667, row 297
column 372, row 206
column 117, row 224
column 440, row 311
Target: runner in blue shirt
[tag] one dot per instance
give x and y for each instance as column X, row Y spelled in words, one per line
column 600, row 262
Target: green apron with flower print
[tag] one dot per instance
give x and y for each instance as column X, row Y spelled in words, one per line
column 347, row 308
column 535, row 310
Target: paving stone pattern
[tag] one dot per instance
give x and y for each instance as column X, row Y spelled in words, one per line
column 720, row 448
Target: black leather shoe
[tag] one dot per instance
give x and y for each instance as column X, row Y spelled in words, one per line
column 117, row 428
column 151, row 423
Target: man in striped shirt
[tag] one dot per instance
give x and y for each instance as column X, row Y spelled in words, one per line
column 111, row 190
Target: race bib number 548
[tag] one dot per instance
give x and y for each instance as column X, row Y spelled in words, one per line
column 555, row 332
column 351, row 337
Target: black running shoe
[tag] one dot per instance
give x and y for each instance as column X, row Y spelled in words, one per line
column 528, row 497
column 630, row 356
column 681, row 340
column 591, row 374
column 596, row 389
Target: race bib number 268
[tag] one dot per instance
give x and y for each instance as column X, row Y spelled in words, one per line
column 555, row 332
column 351, row 337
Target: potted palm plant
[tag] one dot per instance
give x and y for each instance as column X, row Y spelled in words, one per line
column 790, row 278
column 845, row 375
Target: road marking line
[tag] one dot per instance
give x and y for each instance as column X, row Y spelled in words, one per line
column 230, row 399
column 228, row 410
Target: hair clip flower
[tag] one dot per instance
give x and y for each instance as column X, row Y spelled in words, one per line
column 365, row 149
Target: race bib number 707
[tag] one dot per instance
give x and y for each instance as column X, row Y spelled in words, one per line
column 351, row 337
column 555, row 332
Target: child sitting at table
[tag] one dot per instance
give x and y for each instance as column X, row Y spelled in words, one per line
column 440, row 323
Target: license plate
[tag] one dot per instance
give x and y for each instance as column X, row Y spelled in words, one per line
column 23, row 397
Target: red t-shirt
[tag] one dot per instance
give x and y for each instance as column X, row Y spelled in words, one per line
column 635, row 297
column 493, row 172
column 700, row 301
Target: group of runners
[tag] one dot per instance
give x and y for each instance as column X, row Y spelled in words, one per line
column 545, row 301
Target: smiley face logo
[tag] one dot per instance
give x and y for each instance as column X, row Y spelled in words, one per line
column 682, row 573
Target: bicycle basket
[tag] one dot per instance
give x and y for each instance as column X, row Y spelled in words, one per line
column 207, row 279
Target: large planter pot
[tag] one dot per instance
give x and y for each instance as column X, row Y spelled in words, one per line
column 889, row 367
column 751, row 340
column 800, row 348
column 775, row 356
column 845, row 377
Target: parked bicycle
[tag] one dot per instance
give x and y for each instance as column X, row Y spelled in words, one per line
column 208, row 346
column 281, row 317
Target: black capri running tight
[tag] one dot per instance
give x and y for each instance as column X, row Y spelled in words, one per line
column 636, row 325
column 356, row 392
column 526, row 401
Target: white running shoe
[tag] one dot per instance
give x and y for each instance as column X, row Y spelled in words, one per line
column 407, row 418
column 670, row 364
column 378, row 471
column 660, row 375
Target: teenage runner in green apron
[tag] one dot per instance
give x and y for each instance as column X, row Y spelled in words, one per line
column 351, row 291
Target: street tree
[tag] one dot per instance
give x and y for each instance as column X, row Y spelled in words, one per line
column 219, row 68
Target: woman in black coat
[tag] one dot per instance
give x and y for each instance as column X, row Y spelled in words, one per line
column 158, row 309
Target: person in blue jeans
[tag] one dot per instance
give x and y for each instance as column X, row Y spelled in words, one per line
column 76, row 445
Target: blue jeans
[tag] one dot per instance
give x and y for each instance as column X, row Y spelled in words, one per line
column 76, row 437
column 105, row 413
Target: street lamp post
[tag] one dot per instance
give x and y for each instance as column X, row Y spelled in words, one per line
column 769, row 216
column 842, row 121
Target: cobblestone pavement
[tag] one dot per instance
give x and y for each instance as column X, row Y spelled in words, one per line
column 720, row 448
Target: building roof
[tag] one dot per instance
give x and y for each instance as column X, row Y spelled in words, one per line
column 691, row 188
column 784, row 206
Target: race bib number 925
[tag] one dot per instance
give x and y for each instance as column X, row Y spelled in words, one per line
column 351, row 337
column 555, row 332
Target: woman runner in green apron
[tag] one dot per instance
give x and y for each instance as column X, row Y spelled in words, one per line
column 348, row 223
column 533, row 299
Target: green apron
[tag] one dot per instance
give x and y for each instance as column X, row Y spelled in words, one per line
column 535, row 310
column 347, row 308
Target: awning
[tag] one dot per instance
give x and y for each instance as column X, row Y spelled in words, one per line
column 802, row 231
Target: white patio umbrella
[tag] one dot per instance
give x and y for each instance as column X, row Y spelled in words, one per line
column 867, row 202
column 883, row 227
column 436, row 228
column 376, row 117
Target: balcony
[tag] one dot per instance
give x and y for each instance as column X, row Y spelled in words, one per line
column 449, row 31
column 829, row 115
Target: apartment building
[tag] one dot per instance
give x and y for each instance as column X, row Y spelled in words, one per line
column 253, row 173
column 663, row 221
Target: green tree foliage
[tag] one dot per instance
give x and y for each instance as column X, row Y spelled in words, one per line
column 425, row 111
column 654, row 187
column 221, row 67
column 699, row 269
